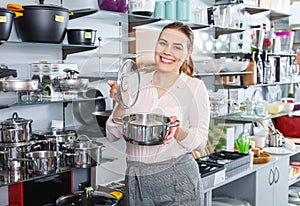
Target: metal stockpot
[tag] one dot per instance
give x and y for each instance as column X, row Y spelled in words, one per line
column 145, row 128
column 84, row 153
column 15, row 129
column 44, row 162
column 53, row 140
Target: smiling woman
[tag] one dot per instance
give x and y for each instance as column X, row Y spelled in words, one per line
column 166, row 173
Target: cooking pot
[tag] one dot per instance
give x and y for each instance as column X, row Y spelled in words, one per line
column 70, row 82
column 44, row 162
column 102, row 117
column 81, row 36
column 145, row 128
column 85, row 152
column 13, row 151
column 41, row 23
column 91, row 199
column 6, row 22
column 15, row 129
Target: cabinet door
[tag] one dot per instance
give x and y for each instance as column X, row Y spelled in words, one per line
column 281, row 172
column 264, row 186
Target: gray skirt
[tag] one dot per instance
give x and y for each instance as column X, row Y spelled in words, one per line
column 173, row 182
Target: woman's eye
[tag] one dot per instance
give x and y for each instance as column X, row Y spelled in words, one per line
column 162, row 43
column 178, row 47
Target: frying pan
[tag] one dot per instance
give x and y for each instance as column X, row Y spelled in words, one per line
column 83, row 110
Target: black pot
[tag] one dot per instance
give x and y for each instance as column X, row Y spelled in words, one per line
column 81, row 198
column 42, row 23
column 6, row 21
column 81, row 36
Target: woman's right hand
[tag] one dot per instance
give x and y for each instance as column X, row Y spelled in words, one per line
column 113, row 90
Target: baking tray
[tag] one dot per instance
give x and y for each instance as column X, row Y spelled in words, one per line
column 211, row 174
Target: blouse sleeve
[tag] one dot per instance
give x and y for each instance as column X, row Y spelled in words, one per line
column 199, row 117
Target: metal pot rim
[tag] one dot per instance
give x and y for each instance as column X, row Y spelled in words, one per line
column 47, row 7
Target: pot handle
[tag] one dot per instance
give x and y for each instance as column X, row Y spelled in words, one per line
column 117, row 120
column 99, row 156
column 176, row 124
column 15, row 7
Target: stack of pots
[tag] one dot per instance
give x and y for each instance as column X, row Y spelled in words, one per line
column 15, row 142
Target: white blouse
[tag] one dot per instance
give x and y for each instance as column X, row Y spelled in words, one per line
column 187, row 99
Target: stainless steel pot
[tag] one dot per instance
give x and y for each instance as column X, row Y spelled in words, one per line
column 15, row 85
column 45, row 162
column 16, row 129
column 145, row 128
column 13, row 151
column 85, row 152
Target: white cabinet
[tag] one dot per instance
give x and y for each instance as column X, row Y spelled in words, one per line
column 271, row 184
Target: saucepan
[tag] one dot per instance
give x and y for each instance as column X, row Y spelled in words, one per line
column 145, row 128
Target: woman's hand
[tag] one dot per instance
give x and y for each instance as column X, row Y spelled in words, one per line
column 113, row 90
column 170, row 136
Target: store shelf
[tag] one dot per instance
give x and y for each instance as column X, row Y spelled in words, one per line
column 255, row 10
column 220, row 74
column 275, row 15
column 232, row 86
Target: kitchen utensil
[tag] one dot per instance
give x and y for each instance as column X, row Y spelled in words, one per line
column 17, row 85
column 128, row 84
column 70, row 82
column 145, row 128
column 142, row 7
column 41, row 23
column 90, row 199
column 87, row 153
column 83, row 110
column 15, row 129
column 81, row 36
column 45, row 162
column 5, row 72
column 233, row 65
column 277, row 150
column 6, row 22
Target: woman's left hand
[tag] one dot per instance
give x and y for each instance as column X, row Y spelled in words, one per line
column 170, row 136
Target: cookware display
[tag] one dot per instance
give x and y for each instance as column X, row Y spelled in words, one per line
column 44, row 162
column 40, row 23
column 84, row 153
column 70, row 82
column 16, row 129
column 81, row 36
column 6, row 22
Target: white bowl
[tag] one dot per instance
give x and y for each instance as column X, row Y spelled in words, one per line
column 235, row 66
column 212, row 65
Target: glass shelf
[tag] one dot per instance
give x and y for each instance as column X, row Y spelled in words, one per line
column 232, row 86
column 241, row 117
column 15, row 101
column 221, row 74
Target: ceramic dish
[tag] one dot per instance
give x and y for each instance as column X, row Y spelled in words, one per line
column 277, row 150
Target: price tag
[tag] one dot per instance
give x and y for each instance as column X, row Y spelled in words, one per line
column 60, row 19
column 87, row 35
column 3, row 19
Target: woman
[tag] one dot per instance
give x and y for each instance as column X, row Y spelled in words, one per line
column 167, row 174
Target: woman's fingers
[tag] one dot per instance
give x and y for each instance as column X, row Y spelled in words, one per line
column 113, row 89
column 170, row 136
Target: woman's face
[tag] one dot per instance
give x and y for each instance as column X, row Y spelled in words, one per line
column 171, row 50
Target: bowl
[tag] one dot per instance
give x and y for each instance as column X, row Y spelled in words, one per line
column 212, row 65
column 274, row 108
column 235, row 66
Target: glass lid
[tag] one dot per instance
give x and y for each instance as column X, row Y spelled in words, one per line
column 128, row 84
